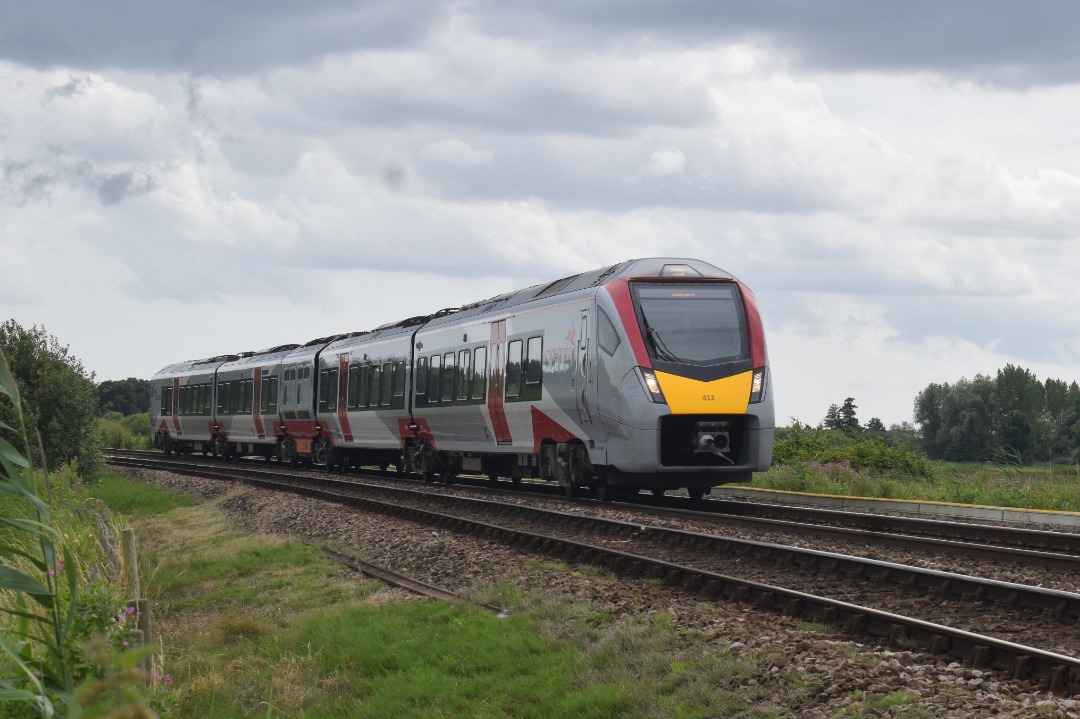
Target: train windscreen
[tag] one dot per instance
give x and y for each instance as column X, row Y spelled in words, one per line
column 693, row 323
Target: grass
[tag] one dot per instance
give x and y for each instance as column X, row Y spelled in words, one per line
column 133, row 498
column 1023, row 487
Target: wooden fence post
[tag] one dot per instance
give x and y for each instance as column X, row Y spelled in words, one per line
column 131, row 562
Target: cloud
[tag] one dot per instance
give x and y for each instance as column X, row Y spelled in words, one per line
column 454, row 152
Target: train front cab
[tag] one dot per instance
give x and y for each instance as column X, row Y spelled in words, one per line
column 691, row 405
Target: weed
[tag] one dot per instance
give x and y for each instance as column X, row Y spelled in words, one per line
column 896, row 698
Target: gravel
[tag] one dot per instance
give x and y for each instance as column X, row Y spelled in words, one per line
column 846, row 675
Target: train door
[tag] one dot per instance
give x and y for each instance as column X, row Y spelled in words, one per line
column 497, row 363
column 583, row 378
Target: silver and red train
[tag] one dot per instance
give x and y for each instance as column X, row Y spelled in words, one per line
column 649, row 374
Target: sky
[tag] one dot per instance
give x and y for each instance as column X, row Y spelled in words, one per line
column 899, row 183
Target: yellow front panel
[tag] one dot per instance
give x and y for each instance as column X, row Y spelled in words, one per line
column 730, row 395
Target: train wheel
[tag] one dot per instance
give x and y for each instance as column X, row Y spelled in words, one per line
column 657, row 491
column 569, row 490
column 696, row 493
column 603, row 491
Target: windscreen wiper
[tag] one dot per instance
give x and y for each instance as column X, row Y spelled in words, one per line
column 658, row 344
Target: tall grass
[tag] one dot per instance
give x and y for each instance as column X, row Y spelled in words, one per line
column 38, row 616
column 47, row 610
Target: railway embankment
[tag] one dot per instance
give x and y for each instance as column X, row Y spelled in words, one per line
column 262, row 629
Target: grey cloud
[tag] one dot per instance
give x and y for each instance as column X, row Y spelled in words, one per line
column 203, row 37
column 994, row 41
column 112, row 187
column 121, row 185
column 74, row 86
column 26, row 182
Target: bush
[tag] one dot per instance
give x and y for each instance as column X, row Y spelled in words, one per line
column 59, row 402
column 873, row 455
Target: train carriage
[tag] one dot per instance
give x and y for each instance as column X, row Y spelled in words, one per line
column 246, row 419
column 362, row 381
column 182, row 405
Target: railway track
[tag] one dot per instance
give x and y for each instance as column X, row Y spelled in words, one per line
column 1002, row 545
column 1026, row 631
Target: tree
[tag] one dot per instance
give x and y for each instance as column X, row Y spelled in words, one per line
column 1015, row 433
column 1017, row 390
column 875, row 425
column 928, row 408
column 59, row 400
column 843, row 417
column 126, row 396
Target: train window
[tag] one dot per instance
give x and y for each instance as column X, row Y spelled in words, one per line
column 399, row 378
column 421, row 376
column 364, row 387
column 534, row 368
column 479, row 367
column 249, row 387
column 332, row 390
column 353, row 391
column 607, row 336
column 264, row 394
column 464, row 370
column 373, row 398
column 448, row 377
column 328, row 390
column 223, row 398
column 435, row 372
column 182, row 409
column 166, row 400
column 513, row 369
column 387, row 382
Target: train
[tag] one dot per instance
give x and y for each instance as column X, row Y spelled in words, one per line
column 647, row 375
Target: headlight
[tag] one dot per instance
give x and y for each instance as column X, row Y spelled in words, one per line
column 757, row 386
column 651, row 385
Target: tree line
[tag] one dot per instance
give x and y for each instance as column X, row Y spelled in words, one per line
column 62, row 406
column 1013, row 413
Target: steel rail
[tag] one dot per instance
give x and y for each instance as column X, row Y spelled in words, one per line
column 401, row 581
